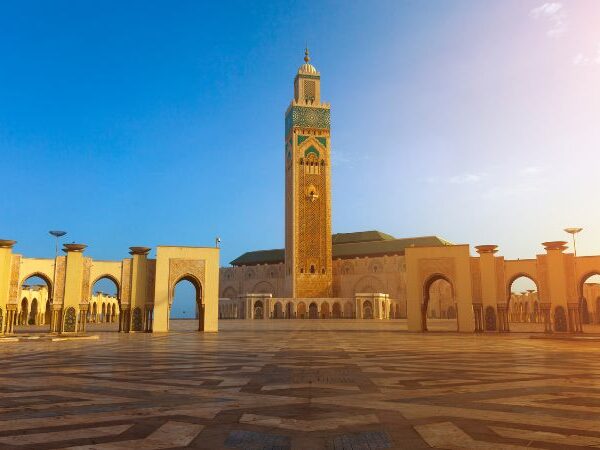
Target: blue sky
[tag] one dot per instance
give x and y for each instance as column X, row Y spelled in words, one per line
column 148, row 123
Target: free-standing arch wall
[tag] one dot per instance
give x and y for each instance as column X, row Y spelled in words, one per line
column 141, row 283
column 174, row 263
column 424, row 264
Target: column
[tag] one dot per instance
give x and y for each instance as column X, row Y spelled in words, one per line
column 83, row 309
column 478, row 313
column 267, row 302
column 546, row 317
column 11, row 314
column 503, row 319
column 5, row 276
column 575, row 325
column 73, row 283
column 139, row 281
column 56, row 322
column 358, row 307
column 489, row 294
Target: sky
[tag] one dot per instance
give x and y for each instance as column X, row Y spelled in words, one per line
column 159, row 123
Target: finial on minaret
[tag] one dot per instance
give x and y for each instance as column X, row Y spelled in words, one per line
column 306, row 57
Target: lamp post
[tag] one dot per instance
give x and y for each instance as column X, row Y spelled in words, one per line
column 573, row 231
column 57, row 234
column 217, row 242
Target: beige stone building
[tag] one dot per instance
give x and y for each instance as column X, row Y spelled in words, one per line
column 367, row 266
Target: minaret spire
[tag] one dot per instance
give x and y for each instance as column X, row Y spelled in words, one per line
column 306, row 57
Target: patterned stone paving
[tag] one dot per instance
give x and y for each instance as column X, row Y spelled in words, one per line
column 300, row 385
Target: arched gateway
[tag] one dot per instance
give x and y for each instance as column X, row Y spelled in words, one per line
column 481, row 287
column 144, row 287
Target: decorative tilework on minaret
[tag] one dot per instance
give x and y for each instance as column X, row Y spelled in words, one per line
column 308, row 261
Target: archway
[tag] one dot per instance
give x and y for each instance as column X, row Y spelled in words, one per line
column 278, row 311
column 301, row 310
column 289, row 310
column 105, row 293
column 33, row 318
column 229, row 293
column 438, row 310
column 490, row 319
column 336, row 310
column 324, row 310
column 367, row 310
column 24, row 314
column 560, row 319
column 589, row 294
column 522, row 308
column 313, row 311
column 186, row 310
column 259, row 310
column 35, row 304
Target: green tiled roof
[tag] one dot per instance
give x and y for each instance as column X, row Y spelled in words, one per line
column 361, row 236
column 385, row 247
column 349, row 245
column 260, row 257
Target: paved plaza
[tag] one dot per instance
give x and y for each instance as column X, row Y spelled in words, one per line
column 305, row 384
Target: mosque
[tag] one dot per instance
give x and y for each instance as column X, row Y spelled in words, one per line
column 373, row 275
column 318, row 275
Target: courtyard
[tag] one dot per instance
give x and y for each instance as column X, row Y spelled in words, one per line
column 300, row 384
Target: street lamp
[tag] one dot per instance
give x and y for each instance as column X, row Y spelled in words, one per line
column 57, row 234
column 217, row 242
column 573, row 231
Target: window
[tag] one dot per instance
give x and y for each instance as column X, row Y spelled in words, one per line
column 312, row 165
column 309, row 90
column 312, row 269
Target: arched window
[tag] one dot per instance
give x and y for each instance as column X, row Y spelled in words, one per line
column 312, row 164
column 312, row 269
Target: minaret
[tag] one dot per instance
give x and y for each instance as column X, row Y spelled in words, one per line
column 308, row 261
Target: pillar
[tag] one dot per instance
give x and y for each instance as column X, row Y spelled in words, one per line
column 557, row 284
column 5, row 276
column 489, row 290
column 139, row 281
column 124, row 319
column 81, row 324
column 11, row 312
column 545, row 311
column 358, row 307
column 148, row 317
column 73, row 284
column 56, row 318
column 503, row 318
column 479, row 321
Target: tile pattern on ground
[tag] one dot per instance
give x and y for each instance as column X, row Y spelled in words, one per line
column 300, row 385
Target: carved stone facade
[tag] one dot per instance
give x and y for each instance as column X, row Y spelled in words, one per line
column 308, row 260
